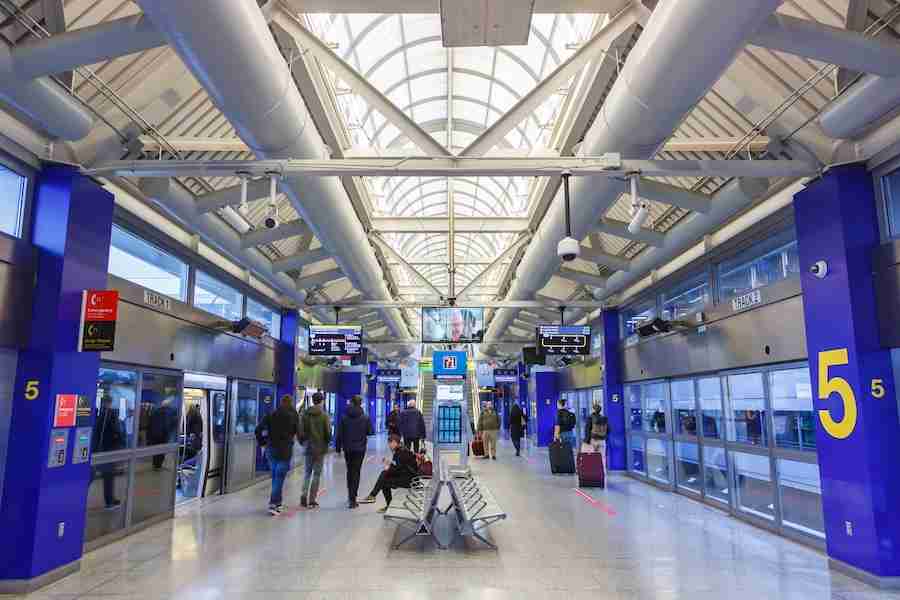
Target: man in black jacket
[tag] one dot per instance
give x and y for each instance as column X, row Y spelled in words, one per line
column 277, row 432
column 398, row 472
column 516, row 426
column 353, row 436
column 412, row 426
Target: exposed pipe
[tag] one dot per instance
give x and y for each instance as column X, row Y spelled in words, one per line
column 43, row 101
column 230, row 50
column 86, row 46
column 858, row 108
column 683, row 51
column 180, row 203
column 881, row 140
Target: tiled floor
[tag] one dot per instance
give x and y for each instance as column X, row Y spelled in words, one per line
column 629, row 542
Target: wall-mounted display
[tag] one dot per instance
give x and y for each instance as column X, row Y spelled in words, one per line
column 335, row 340
column 450, row 325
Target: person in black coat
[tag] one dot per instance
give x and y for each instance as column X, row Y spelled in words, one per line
column 517, row 426
column 393, row 420
column 398, row 472
column 412, row 426
column 353, row 437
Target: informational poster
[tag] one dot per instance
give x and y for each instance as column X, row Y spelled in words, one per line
column 99, row 311
column 64, row 415
column 409, row 373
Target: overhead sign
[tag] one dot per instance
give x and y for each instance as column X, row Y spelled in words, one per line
column 746, row 301
column 449, row 364
column 564, row 339
column 64, row 415
column 389, row 375
column 99, row 311
column 505, row 375
column 335, row 340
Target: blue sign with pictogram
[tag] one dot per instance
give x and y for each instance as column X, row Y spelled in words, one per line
column 449, row 364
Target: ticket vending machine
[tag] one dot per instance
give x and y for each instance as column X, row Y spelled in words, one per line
column 450, row 425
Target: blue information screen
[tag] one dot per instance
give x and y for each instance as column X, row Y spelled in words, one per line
column 449, row 425
column 564, row 339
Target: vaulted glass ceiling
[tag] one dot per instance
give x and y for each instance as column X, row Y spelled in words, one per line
column 454, row 95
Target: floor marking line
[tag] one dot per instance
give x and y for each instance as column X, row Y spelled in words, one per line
column 609, row 511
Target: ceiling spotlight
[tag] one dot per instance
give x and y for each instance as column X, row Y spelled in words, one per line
column 640, row 211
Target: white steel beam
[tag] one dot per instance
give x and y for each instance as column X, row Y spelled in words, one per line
column 261, row 236
column 505, row 255
column 674, row 195
column 521, row 304
column 609, row 165
column 319, row 279
column 421, row 7
column 833, row 45
column 440, row 225
column 308, row 41
column 597, row 46
column 620, row 229
column 610, row 261
column 192, row 144
column 380, row 241
column 231, row 196
column 300, row 260
column 589, row 279
column 716, row 144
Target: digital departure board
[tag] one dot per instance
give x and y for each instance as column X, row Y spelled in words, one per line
column 335, row 340
column 564, row 339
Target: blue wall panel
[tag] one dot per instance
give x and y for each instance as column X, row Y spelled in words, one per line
column 547, row 394
column 613, row 404
column 286, row 354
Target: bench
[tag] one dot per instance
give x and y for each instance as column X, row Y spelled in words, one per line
column 475, row 507
column 415, row 510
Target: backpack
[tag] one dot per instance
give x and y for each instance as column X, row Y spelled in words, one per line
column 567, row 420
column 599, row 430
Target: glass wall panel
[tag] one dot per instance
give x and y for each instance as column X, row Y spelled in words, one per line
column 763, row 264
column 142, row 263
column 269, row 317
column 13, row 188
column 106, row 498
column 245, row 418
column 633, row 397
column 686, row 299
column 687, row 466
column 160, row 409
column 684, row 407
column 116, row 402
column 709, row 390
column 637, row 454
column 658, row 460
column 753, row 483
column 216, row 297
column 655, row 407
column 801, row 497
column 748, row 409
column 792, row 409
column 715, row 474
column 154, row 487
column 636, row 315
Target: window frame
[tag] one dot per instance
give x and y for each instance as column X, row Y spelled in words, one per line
column 749, row 257
column 242, row 310
column 188, row 280
column 26, row 205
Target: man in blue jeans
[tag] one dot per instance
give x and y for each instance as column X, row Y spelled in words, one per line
column 277, row 432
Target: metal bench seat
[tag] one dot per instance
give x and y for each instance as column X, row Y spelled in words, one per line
column 415, row 509
column 475, row 506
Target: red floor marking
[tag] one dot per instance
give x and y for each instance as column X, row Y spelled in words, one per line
column 609, row 511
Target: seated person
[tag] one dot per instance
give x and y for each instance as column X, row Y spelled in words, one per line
column 398, row 472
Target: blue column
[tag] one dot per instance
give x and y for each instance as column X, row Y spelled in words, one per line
column 42, row 516
column 372, row 394
column 523, row 390
column 613, row 406
column 350, row 383
column 547, row 394
column 854, row 398
column 286, row 353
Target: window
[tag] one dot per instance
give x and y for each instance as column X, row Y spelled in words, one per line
column 262, row 313
column 687, row 466
column 748, row 409
column 715, row 474
column 213, row 296
column 774, row 260
column 686, row 299
column 792, row 409
column 633, row 396
column 890, row 185
column 636, row 315
column 658, row 459
column 13, row 188
column 801, row 496
column 753, row 483
column 637, row 454
column 655, row 407
column 683, row 407
column 710, row 390
column 142, row 263
column 160, row 409
column 115, row 410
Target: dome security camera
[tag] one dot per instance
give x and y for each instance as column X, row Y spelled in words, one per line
column 819, row 269
column 568, row 249
column 272, row 221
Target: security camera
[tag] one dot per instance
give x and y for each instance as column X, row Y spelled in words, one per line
column 640, row 213
column 272, row 221
column 819, row 269
column 597, row 294
column 568, row 249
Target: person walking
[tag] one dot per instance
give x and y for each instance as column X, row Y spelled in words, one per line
column 412, row 426
column 353, row 437
column 398, row 473
column 276, row 433
column 393, row 420
column 489, row 426
column 517, row 426
column 596, row 430
column 565, row 425
column 316, row 434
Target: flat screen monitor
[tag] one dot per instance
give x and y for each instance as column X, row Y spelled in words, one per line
column 451, row 325
column 335, row 340
column 530, row 356
column 566, row 340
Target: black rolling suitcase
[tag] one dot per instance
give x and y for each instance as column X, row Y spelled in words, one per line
column 562, row 460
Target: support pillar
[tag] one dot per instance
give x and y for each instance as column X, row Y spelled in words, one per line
column 372, row 394
column 42, row 516
column 350, row 383
column 546, row 384
column 286, row 355
column 613, row 406
column 853, row 390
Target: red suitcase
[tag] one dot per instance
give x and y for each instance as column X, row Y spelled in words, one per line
column 590, row 470
column 478, row 447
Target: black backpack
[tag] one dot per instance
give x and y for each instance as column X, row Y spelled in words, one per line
column 567, row 420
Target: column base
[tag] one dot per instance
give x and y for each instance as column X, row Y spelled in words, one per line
column 27, row 586
column 883, row 583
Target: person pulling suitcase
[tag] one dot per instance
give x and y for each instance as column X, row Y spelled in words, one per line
column 562, row 459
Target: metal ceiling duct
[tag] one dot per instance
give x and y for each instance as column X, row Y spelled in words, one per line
column 682, row 52
column 859, row 107
column 230, row 50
